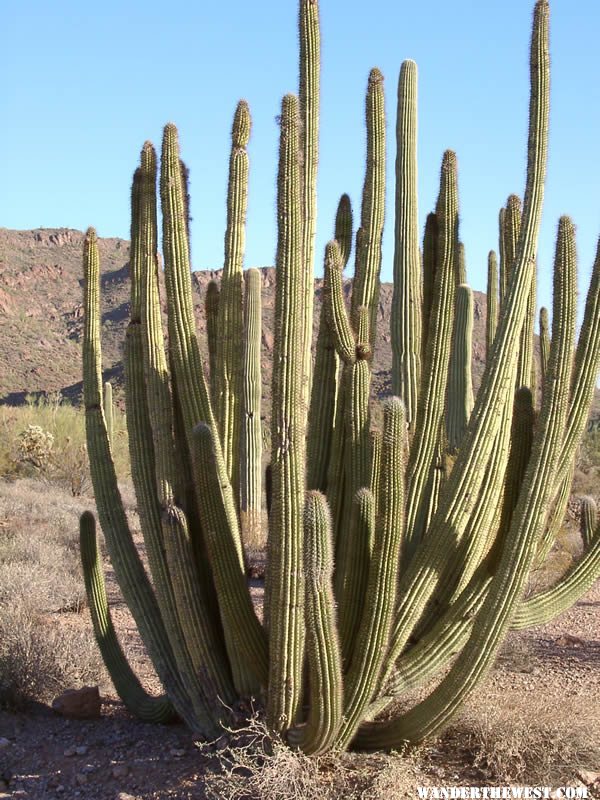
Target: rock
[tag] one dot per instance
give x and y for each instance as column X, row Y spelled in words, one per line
column 69, row 752
column 81, row 751
column 177, row 753
column 588, row 777
column 124, row 796
column 566, row 640
column 120, row 771
column 4, row 743
column 81, row 778
column 79, row 703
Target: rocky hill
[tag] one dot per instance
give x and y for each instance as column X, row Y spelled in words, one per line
column 41, row 314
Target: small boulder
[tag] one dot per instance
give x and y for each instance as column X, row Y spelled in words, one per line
column 81, row 703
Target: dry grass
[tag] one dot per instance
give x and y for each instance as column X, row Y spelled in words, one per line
column 40, row 583
column 522, row 739
column 257, row 766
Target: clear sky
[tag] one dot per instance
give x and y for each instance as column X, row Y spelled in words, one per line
column 84, row 84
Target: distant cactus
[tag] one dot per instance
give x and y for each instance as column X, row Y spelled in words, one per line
column 388, row 551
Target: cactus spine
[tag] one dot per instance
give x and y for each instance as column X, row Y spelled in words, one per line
column 387, row 553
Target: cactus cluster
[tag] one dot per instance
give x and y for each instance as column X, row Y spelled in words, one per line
column 388, row 551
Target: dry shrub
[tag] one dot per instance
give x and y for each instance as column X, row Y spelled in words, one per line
column 38, row 660
column 41, row 654
column 530, row 742
column 46, row 438
column 258, row 766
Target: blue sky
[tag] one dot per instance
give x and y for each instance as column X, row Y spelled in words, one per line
column 83, row 85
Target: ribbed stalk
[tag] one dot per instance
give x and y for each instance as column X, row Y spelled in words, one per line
column 380, row 599
column 229, row 351
column 219, row 508
column 211, row 310
column 285, row 579
column 491, row 322
column 251, row 438
column 463, row 486
column 430, row 246
column 184, row 602
column 308, row 96
column 460, row 381
column 589, row 520
column 125, row 559
column 435, row 372
column 544, row 343
column 406, row 324
column 518, row 554
column 324, row 393
column 322, row 643
column 365, row 290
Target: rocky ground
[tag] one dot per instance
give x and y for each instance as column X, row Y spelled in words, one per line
column 43, row 755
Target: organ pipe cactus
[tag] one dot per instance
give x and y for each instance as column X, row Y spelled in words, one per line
column 387, row 551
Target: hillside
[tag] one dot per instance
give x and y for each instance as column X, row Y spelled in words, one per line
column 41, row 314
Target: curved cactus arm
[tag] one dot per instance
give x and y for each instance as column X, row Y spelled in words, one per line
column 460, row 380
column 438, row 645
column 285, row 587
column 251, row 438
column 583, row 382
column 544, row 343
column 372, row 639
column 354, row 568
column 322, row 642
column 365, row 288
column 406, row 324
column 227, row 557
column 463, row 486
column 184, row 599
column 245, row 638
column 585, row 372
column 337, row 316
column 430, row 245
column 229, row 350
column 183, row 343
column 130, row 690
column 435, row 368
column 520, row 546
column 556, row 518
column 589, row 520
column 491, row 322
column 545, row 606
column 130, row 573
column 211, row 310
